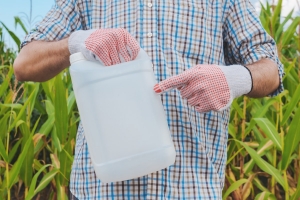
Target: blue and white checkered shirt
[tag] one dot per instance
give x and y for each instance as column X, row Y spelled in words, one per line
column 177, row 35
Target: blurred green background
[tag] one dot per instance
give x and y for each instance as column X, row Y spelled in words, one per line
column 38, row 121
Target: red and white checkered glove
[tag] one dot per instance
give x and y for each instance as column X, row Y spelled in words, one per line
column 209, row 87
column 109, row 46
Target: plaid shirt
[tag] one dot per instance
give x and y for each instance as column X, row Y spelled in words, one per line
column 177, row 35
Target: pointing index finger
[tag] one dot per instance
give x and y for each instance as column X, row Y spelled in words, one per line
column 172, row 82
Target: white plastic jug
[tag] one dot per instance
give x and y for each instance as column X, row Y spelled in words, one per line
column 123, row 119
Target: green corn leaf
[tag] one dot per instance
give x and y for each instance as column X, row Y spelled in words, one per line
column 3, row 152
column 34, row 87
column 2, row 66
column 8, row 99
column 38, row 165
column 230, row 148
column 26, row 170
column 45, row 130
column 291, row 106
column 23, row 109
column 291, row 140
column 46, row 180
column 30, row 193
column 296, row 195
column 55, row 161
column 35, row 126
column 13, row 150
column 4, row 85
column 65, row 163
column 40, row 107
column 258, row 107
column 265, row 17
column 13, row 106
column 231, row 130
column 71, row 102
column 237, row 108
column 250, row 127
column 289, row 66
column 47, row 126
column 4, row 125
column 248, row 186
column 49, row 108
column 24, row 130
column 19, row 21
column 73, row 126
column 265, row 196
column 270, row 158
column 233, row 187
column 276, row 16
column 264, row 108
column 289, row 33
column 15, row 170
column 264, row 146
column 230, row 158
column 293, row 80
column 38, row 137
column 259, row 185
column 68, row 153
column 60, row 193
column 13, row 36
column 264, row 23
column 265, row 166
column 61, row 110
column 55, row 139
column 280, row 28
column 270, row 130
column 268, row 9
column 47, row 88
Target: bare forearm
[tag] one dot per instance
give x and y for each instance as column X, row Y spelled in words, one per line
column 40, row 61
column 265, row 78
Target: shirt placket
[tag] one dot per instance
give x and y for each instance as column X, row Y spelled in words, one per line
column 149, row 26
column 148, row 43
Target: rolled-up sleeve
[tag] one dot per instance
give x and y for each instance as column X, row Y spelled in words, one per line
column 59, row 22
column 246, row 41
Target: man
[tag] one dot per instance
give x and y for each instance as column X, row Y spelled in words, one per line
column 210, row 51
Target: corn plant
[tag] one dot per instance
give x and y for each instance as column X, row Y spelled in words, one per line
column 7, row 55
column 38, row 124
column 263, row 149
column 38, row 127
column 37, row 136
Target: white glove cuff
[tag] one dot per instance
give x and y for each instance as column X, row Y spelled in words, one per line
column 76, row 40
column 239, row 79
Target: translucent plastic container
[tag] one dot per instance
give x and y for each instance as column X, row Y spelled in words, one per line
column 123, row 119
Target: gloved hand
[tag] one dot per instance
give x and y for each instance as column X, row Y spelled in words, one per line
column 109, row 46
column 209, row 87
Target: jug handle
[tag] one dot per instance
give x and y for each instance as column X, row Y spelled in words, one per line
column 142, row 55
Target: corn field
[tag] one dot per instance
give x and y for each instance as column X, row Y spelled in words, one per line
column 38, row 125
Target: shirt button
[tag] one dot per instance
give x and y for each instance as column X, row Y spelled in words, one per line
column 149, row 34
column 149, row 5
